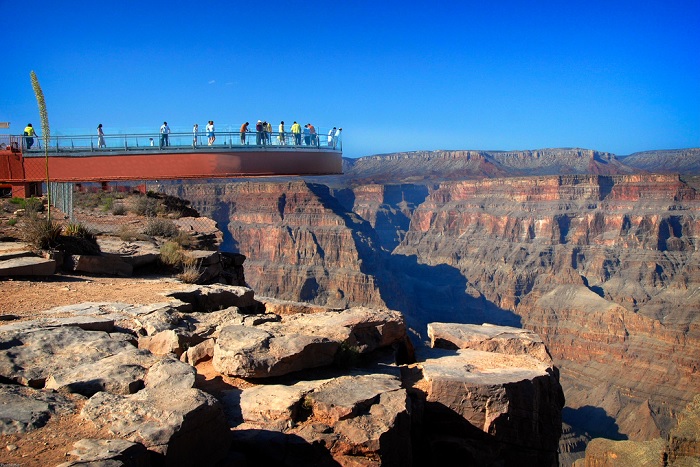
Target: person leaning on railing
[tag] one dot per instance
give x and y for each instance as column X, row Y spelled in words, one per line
column 296, row 131
column 29, row 135
column 244, row 130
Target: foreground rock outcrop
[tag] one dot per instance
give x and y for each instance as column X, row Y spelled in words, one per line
column 335, row 387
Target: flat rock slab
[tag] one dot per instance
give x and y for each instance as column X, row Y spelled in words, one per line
column 123, row 373
column 349, row 396
column 136, row 254
column 255, row 353
column 30, row 356
column 27, row 266
column 363, row 329
column 9, row 250
column 24, row 409
column 274, row 405
column 184, row 426
column 216, row 297
column 108, row 453
column 489, row 338
column 110, row 265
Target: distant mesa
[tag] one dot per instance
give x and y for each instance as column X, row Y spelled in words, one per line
column 445, row 165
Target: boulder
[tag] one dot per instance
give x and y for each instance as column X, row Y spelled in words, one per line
column 217, row 297
column 250, row 352
column 489, row 338
column 162, row 343
column 27, row 266
column 108, row 453
column 136, row 253
column 94, row 264
column 170, row 373
column 276, row 406
column 515, row 399
column 122, row 373
column 180, row 426
column 363, row 329
column 199, row 352
column 24, row 409
column 30, row 356
column 361, row 419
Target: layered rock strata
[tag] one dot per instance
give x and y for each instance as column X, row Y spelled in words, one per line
column 604, row 267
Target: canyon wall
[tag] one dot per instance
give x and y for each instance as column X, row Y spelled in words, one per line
column 606, row 268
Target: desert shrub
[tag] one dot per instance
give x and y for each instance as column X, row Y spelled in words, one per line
column 171, row 254
column 30, row 205
column 146, row 206
column 190, row 271
column 119, row 209
column 107, row 204
column 78, row 230
column 87, row 200
column 158, row 227
column 78, row 245
column 184, row 239
column 40, row 233
column 347, row 356
column 127, row 234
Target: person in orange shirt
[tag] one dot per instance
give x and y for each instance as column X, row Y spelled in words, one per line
column 244, row 130
column 312, row 133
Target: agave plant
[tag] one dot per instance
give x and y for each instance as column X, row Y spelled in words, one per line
column 45, row 130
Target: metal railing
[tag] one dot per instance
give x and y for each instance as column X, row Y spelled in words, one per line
column 177, row 141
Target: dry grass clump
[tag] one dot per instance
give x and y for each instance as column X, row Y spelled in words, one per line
column 172, row 254
column 40, row 233
column 158, row 227
column 146, row 206
column 79, row 230
column 190, row 271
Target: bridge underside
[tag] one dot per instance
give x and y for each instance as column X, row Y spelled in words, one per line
column 24, row 171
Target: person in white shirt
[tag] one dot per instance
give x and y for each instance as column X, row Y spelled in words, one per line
column 336, row 137
column 164, row 132
column 100, row 137
column 210, row 132
column 195, row 130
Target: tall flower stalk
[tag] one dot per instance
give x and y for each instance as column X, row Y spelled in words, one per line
column 46, row 133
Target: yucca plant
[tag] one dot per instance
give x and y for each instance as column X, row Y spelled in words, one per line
column 78, row 230
column 45, row 130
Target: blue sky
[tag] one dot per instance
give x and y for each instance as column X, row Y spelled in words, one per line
column 618, row 76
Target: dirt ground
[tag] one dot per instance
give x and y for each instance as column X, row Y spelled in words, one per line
column 24, row 298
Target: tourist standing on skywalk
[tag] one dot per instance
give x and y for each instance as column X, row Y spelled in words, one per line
column 164, row 132
column 100, row 137
column 296, row 131
column 210, row 132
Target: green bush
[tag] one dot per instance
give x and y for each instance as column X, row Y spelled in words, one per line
column 78, row 230
column 107, row 204
column 12, row 221
column 31, row 205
